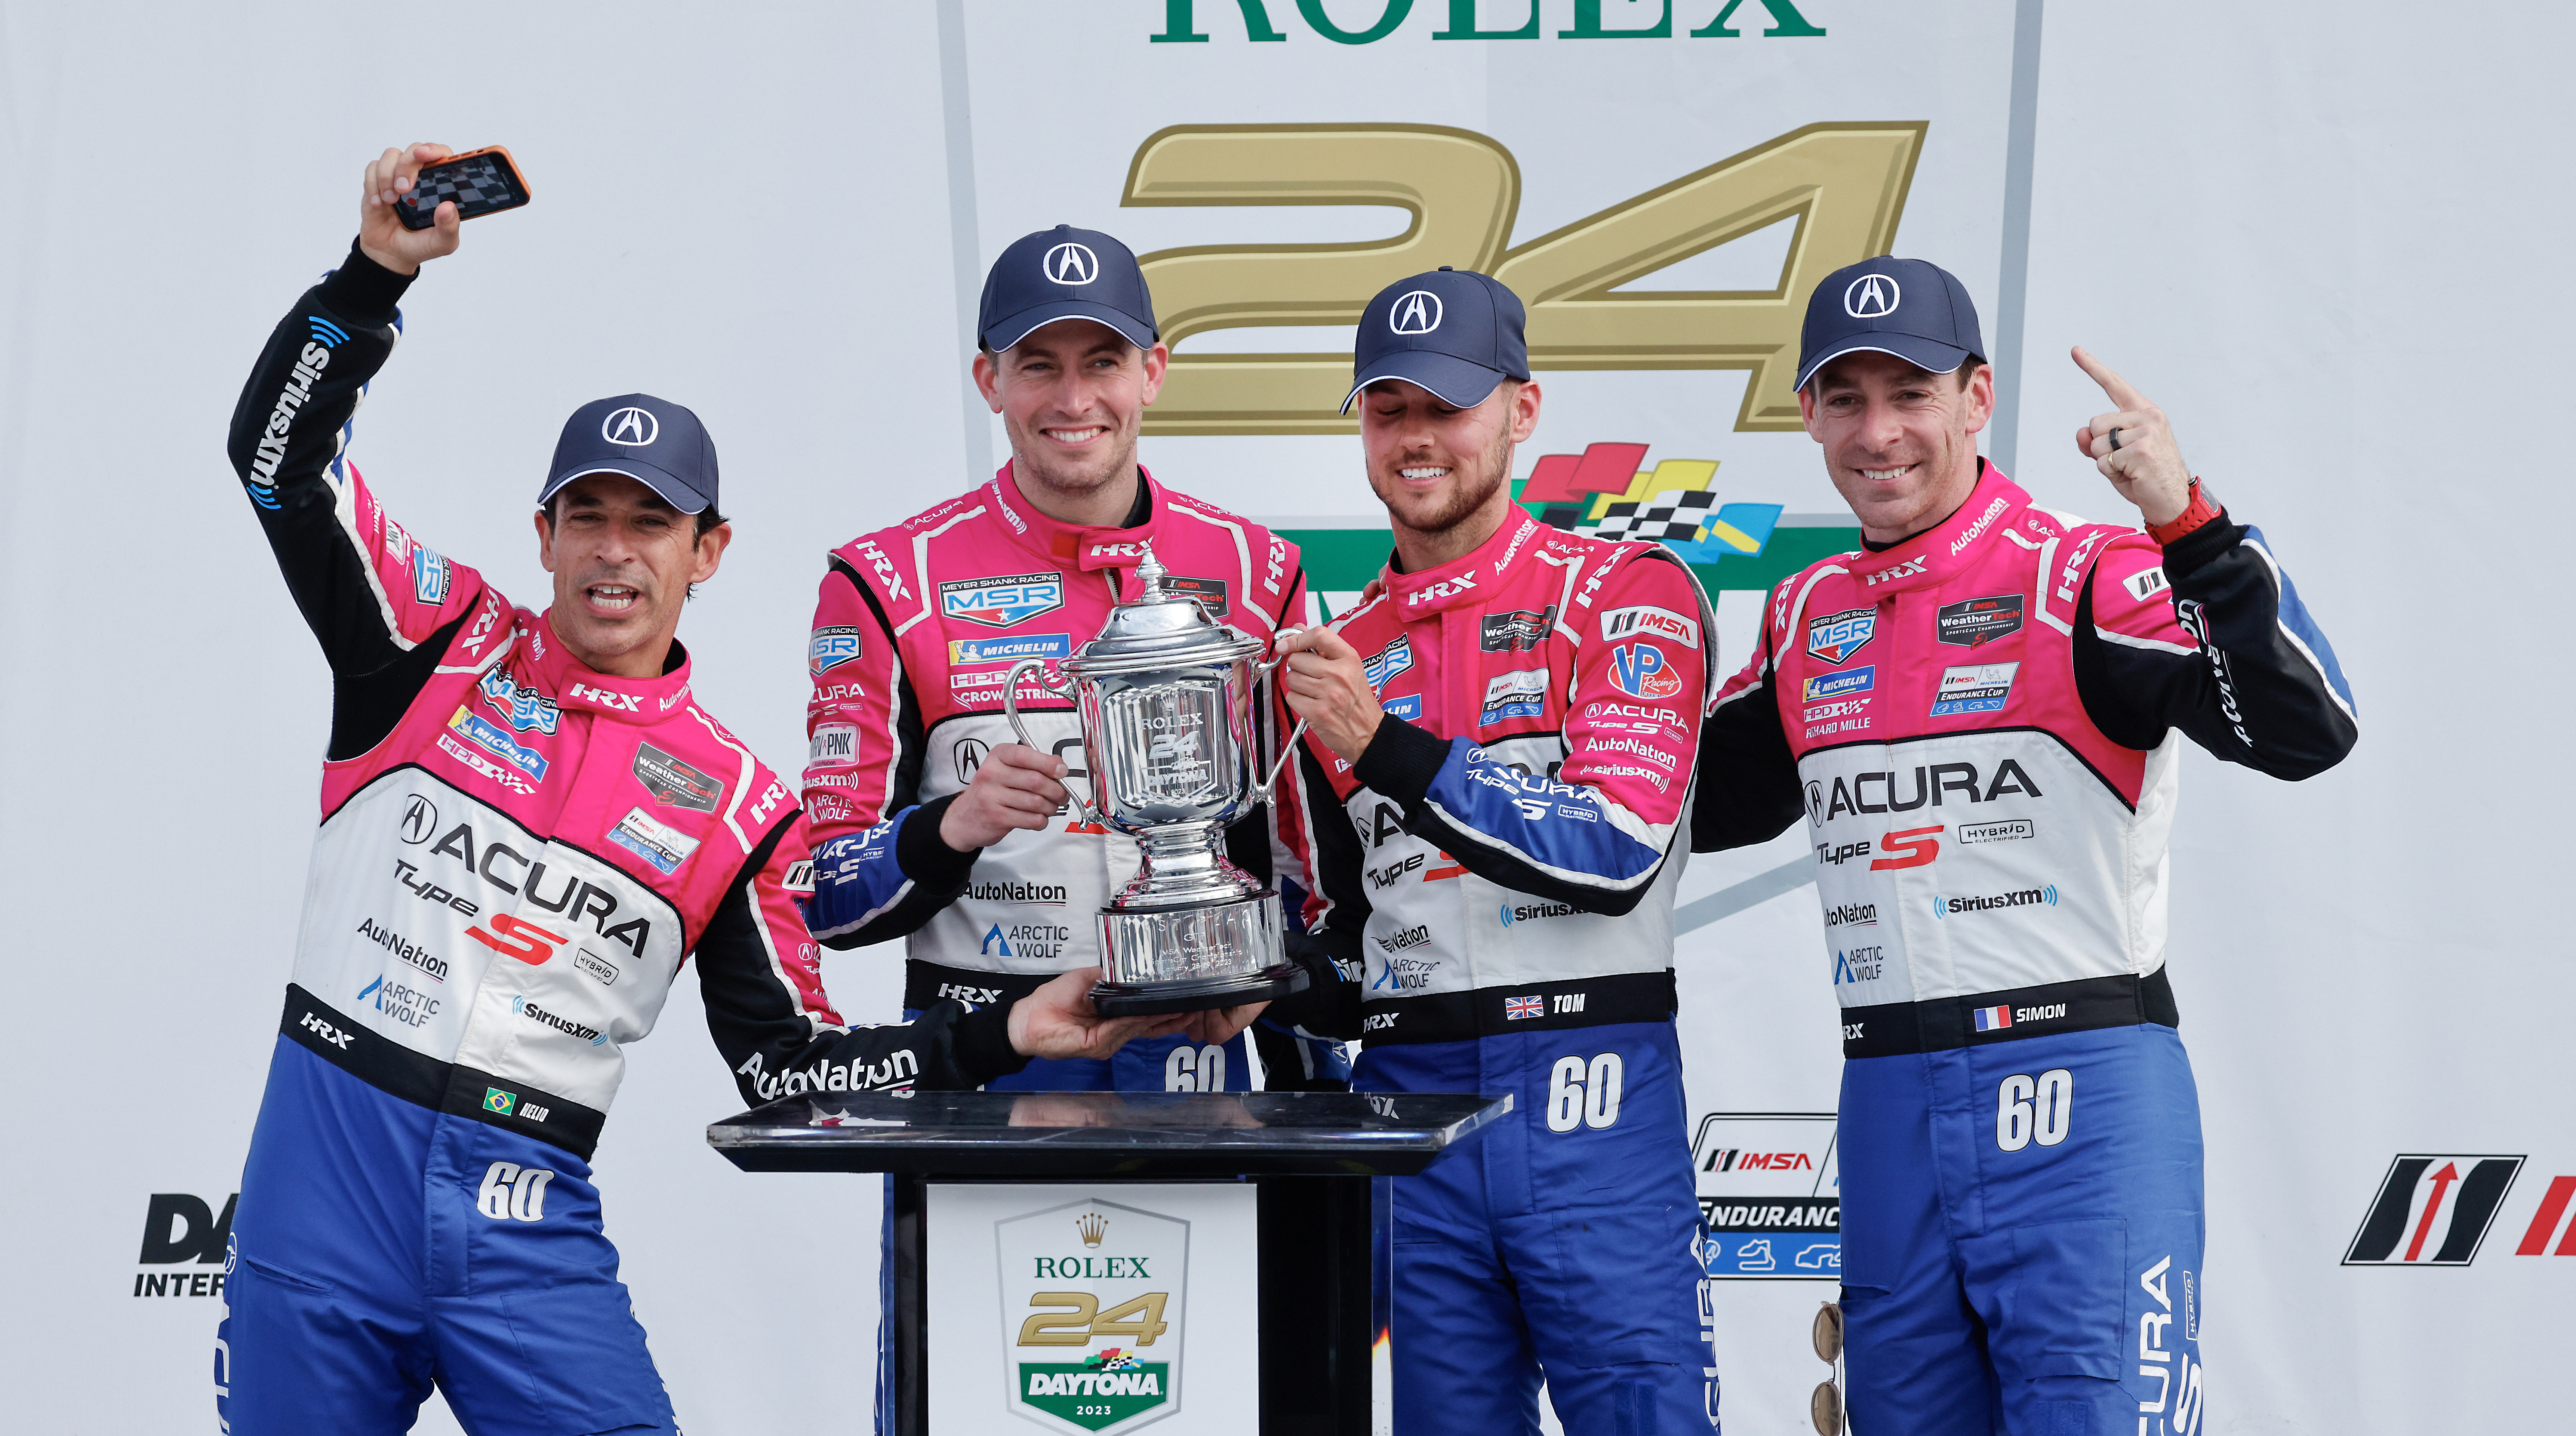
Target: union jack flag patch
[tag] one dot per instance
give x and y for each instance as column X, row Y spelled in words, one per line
column 1516, row 1008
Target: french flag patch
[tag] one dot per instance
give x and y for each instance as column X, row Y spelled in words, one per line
column 1516, row 1008
column 1993, row 1019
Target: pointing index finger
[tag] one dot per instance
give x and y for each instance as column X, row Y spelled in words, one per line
column 2120, row 390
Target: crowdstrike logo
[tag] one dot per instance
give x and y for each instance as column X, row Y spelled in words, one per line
column 631, row 426
column 1872, row 296
column 1417, row 312
column 1072, row 264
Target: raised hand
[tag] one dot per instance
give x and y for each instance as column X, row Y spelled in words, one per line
column 2134, row 447
column 381, row 236
column 1016, row 787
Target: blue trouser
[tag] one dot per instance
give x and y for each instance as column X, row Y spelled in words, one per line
column 1158, row 1064
column 2022, row 1237
column 381, row 1247
column 1563, row 1239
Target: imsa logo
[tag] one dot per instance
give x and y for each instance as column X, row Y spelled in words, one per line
column 2432, row 1210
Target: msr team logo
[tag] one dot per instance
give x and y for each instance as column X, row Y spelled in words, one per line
column 1835, row 637
column 1002, row 602
column 2433, row 1210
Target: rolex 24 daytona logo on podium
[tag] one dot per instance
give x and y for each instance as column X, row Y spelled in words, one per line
column 1093, row 1311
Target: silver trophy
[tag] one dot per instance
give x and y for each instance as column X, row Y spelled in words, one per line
column 1165, row 695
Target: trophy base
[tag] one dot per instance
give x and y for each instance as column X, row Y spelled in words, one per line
column 1119, row 999
column 1193, row 957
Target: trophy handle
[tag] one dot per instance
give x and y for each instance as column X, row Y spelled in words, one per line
column 1011, row 710
column 1288, row 749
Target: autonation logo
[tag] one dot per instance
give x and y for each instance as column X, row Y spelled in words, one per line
column 1943, row 907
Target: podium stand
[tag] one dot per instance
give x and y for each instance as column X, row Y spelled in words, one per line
column 1105, row 1261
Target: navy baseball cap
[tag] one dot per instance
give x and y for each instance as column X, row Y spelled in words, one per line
column 1455, row 332
column 1911, row 308
column 1064, row 273
column 655, row 442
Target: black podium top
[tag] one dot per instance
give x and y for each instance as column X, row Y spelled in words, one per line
column 1104, row 1134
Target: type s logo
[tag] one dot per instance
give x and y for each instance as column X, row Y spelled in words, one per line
column 1911, row 848
column 515, row 937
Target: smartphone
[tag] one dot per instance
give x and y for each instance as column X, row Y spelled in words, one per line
column 481, row 182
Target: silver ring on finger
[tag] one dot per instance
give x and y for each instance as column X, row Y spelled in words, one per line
column 2115, row 441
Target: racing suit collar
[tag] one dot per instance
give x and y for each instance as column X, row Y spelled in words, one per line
column 629, row 700
column 1468, row 581
column 1087, row 547
column 1929, row 558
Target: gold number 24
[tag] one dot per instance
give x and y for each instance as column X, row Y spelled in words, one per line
column 1844, row 184
column 1076, row 1319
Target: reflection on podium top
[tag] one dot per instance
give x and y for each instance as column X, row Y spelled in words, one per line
column 1124, row 1134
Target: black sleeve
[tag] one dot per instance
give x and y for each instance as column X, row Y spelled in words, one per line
column 763, row 993
column 1748, row 780
column 1329, row 949
column 2263, row 689
column 287, row 430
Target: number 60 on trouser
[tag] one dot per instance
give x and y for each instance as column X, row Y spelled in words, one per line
column 2022, row 1236
column 1564, row 1244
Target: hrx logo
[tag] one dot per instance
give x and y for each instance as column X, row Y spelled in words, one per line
column 2432, row 1210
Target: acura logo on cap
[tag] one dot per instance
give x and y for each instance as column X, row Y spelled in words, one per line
column 1072, row 264
column 631, row 426
column 1872, row 296
column 1418, row 312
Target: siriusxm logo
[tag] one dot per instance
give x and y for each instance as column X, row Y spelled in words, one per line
column 1943, row 907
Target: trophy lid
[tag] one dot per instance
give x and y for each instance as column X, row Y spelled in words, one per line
column 1160, row 626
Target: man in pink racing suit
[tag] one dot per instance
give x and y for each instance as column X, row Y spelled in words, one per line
column 1498, row 783
column 1980, row 717
column 932, row 822
column 529, row 825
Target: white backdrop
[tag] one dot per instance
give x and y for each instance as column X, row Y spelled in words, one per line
column 2323, row 237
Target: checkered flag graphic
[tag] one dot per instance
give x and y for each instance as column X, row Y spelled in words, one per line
column 1675, row 515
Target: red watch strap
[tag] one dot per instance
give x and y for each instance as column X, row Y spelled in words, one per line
column 2198, row 512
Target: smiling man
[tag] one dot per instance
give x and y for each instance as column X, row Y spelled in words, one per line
column 1499, row 781
column 528, row 825
column 1979, row 715
column 932, row 822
